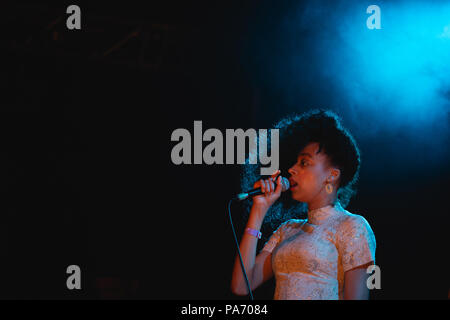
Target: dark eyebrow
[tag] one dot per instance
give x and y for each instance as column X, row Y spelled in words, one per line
column 305, row 154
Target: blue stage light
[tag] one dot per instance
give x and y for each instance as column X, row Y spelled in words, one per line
column 405, row 65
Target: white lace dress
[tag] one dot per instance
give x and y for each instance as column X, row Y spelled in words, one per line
column 309, row 257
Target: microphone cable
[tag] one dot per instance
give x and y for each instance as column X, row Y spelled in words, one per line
column 239, row 251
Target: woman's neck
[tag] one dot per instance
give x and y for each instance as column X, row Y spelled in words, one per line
column 320, row 203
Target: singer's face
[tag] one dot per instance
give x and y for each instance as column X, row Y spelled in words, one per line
column 309, row 173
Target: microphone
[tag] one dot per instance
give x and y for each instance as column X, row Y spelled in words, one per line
column 255, row 192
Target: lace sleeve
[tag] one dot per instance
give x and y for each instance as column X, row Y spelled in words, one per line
column 356, row 243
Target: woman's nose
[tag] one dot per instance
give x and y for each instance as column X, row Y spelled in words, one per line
column 291, row 171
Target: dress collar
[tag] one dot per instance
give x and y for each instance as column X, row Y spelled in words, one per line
column 319, row 215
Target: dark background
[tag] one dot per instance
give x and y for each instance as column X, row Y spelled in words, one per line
column 86, row 174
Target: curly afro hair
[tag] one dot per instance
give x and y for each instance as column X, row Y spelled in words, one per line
column 297, row 131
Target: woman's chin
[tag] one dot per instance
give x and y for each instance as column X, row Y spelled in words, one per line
column 296, row 196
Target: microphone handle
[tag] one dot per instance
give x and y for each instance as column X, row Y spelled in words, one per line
column 245, row 195
column 255, row 192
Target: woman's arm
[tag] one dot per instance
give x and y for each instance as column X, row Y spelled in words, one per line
column 355, row 283
column 258, row 269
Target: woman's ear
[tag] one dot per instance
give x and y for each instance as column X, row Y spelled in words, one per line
column 335, row 175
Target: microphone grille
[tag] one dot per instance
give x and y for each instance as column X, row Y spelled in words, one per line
column 285, row 184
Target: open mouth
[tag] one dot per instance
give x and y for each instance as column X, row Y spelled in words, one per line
column 292, row 183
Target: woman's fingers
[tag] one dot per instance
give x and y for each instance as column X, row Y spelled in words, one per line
column 275, row 174
column 279, row 186
column 273, row 180
column 263, row 186
column 271, row 185
column 270, row 189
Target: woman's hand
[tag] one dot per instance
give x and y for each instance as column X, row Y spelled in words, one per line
column 272, row 190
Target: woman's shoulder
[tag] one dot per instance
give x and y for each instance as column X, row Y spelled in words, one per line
column 355, row 238
column 346, row 217
column 353, row 223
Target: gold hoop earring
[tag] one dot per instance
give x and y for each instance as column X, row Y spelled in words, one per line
column 328, row 188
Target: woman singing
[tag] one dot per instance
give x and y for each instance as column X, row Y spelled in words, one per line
column 326, row 255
